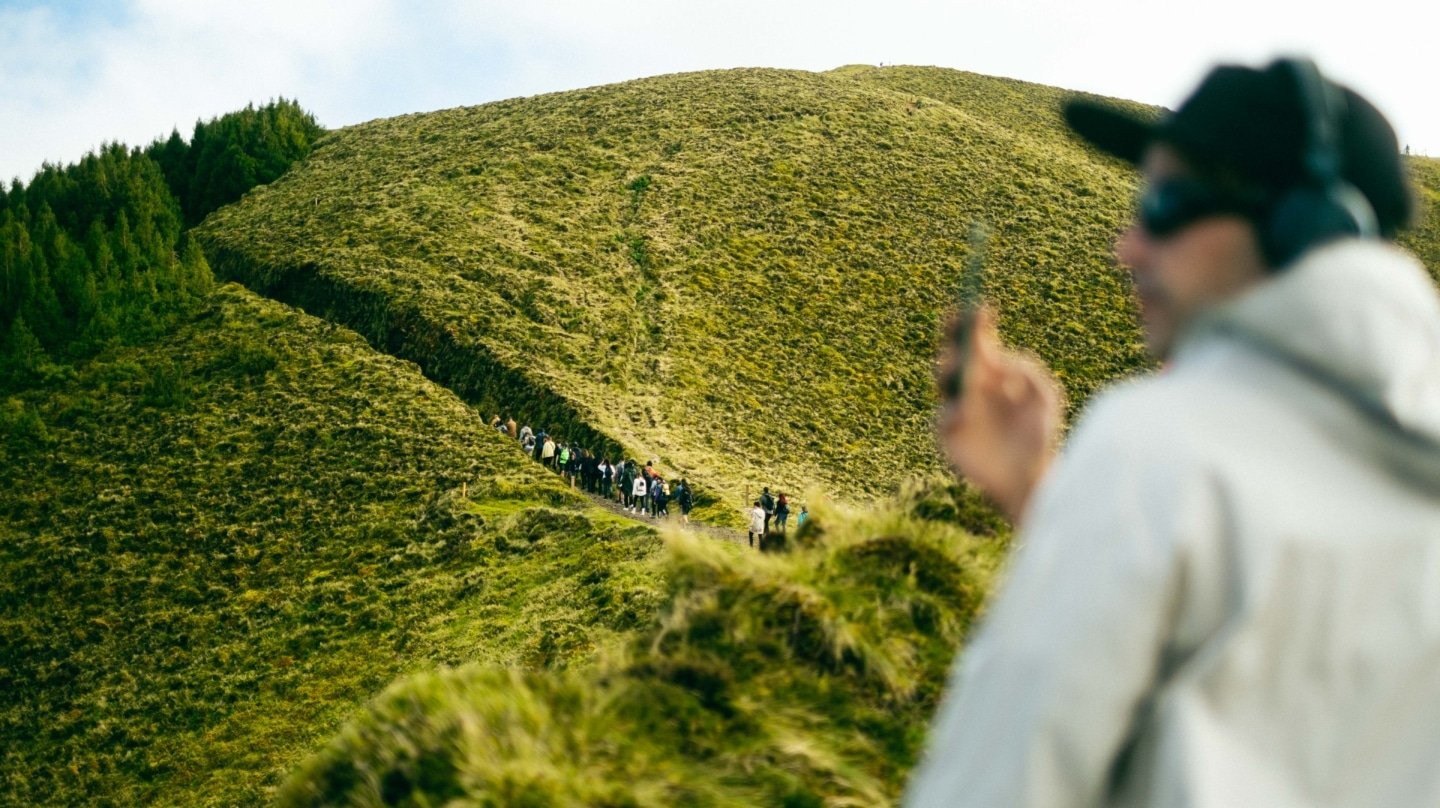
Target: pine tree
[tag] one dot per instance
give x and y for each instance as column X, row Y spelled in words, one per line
column 97, row 250
column 40, row 306
column 173, row 157
column 10, row 279
column 22, row 357
column 229, row 155
column 196, row 277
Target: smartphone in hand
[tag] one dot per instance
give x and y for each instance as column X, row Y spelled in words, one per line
column 961, row 332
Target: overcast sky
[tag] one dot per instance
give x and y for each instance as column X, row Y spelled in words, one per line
column 77, row 73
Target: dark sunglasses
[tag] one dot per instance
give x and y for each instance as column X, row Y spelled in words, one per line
column 1170, row 206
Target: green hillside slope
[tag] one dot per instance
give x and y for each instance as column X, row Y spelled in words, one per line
column 799, row 679
column 1424, row 238
column 741, row 273
column 214, row 548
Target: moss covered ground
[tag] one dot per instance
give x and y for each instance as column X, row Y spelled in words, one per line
column 803, row 678
column 739, row 273
column 1423, row 238
column 216, row 547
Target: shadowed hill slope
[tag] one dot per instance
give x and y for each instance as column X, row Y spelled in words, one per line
column 741, row 273
column 214, row 548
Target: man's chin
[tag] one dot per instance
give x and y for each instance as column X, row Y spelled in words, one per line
column 1158, row 342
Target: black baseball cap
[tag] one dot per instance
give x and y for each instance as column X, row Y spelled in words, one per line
column 1253, row 121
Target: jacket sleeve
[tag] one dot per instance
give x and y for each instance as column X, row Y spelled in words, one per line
column 1044, row 697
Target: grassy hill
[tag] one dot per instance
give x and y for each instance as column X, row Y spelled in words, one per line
column 740, row 273
column 214, row 548
column 217, row 547
column 799, row 679
column 1424, row 238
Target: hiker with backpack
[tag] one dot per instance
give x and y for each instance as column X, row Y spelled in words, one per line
column 757, row 523
column 578, row 467
column 660, row 498
column 625, row 483
column 637, row 492
column 685, row 499
column 572, row 468
column 591, row 472
column 782, row 511
column 767, row 503
column 648, row 472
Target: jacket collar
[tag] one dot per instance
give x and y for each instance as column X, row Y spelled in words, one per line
column 1361, row 317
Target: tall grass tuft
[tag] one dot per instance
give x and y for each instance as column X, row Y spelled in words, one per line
column 798, row 678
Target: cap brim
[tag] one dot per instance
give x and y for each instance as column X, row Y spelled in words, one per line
column 1110, row 130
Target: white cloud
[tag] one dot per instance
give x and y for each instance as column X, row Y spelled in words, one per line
column 135, row 68
column 71, row 84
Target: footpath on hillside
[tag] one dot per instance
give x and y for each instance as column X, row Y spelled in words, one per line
column 669, row 520
column 611, row 502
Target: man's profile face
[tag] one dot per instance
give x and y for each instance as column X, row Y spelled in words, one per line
column 1177, row 276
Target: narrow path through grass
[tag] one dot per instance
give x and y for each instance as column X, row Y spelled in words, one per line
column 670, row 520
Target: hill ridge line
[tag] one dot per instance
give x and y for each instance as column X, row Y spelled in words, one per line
column 478, row 376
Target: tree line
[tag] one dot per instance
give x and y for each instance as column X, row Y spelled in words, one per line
column 99, row 251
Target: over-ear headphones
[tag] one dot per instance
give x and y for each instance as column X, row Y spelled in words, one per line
column 1324, row 205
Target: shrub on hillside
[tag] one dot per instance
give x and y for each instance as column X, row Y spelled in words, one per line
column 804, row 678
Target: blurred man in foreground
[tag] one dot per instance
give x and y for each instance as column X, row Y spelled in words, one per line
column 1226, row 590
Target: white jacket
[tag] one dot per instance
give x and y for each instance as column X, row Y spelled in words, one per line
column 1227, row 592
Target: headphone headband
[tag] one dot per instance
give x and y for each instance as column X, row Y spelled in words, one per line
column 1322, row 107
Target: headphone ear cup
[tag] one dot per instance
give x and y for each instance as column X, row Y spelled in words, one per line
column 1325, row 205
column 1302, row 218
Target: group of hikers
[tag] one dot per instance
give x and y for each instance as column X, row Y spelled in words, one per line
column 771, row 508
column 638, row 489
